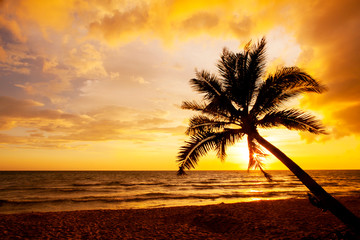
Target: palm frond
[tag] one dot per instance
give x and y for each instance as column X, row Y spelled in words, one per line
column 257, row 58
column 201, row 123
column 232, row 68
column 215, row 101
column 214, row 95
column 256, row 156
column 241, row 71
column 293, row 119
column 193, row 105
column 227, row 66
column 203, row 142
column 255, row 67
column 256, row 153
column 181, row 171
column 200, row 107
column 212, row 109
column 198, row 146
column 293, row 77
column 207, row 84
column 227, row 138
column 266, row 174
column 286, row 83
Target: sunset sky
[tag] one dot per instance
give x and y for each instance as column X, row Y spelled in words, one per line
column 97, row 84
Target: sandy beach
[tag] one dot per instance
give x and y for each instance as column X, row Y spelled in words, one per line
column 278, row 219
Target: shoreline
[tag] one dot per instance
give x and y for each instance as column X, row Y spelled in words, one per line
column 279, row 219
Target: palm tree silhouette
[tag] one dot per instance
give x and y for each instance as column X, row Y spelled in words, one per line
column 241, row 100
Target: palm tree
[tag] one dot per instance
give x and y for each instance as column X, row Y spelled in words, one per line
column 242, row 99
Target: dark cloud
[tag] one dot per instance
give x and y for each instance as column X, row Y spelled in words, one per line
column 348, row 119
column 241, row 27
column 200, row 22
column 25, row 109
column 10, row 31
column 331, row 28
column 121, row 23
column 7, row 139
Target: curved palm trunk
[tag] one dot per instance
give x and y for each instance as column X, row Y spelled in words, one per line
column 327, row 201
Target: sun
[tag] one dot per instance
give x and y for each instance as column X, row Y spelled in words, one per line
column 239, row 153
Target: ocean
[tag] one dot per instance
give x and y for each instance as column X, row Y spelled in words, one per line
column 34, row 191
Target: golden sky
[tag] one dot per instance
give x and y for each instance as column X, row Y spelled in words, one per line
column 97, row 84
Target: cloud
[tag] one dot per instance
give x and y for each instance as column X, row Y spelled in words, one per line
column 121, row 25
column 87, row 61
column 175, row 131
column 47, row 127
column 241, row 27
column 56, row 14
column 170, row 20
column 119, row 22
column 348, row 119
column 24, row 112
column 54, row 74
column 200, row 21
column 16, row 58
column 3, row 55
column 63, row 57
column 330, row 37
column 10, row 31
column 7, row 139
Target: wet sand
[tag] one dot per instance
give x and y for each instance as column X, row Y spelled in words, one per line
column 280, row 219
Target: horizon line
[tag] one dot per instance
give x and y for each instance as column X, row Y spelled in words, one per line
column 224, row 170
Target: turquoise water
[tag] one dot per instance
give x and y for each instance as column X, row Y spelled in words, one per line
column 63, row 191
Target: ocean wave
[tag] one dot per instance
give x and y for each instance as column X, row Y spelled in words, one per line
column 156, row 196
column 66, row 190
column 49, row 190
column 116, row 183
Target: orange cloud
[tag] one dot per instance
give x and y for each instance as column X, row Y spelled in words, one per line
column 121, row 25
column 331, row 37
column 87, row 61
column 173, row 20
column 7, row 139
column 348, row 119
column 27, row 112
column 10, row 30
column 56, row 14
column 48, row 127
column 200, row 21
column 327, row 39
column 3, row 55
column 119, row 22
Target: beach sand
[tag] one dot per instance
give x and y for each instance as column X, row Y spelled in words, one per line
column 279, row 219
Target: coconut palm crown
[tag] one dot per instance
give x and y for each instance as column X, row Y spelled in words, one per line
column 242, row 99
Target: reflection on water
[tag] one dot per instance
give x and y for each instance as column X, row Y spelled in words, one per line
column 58, row 191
